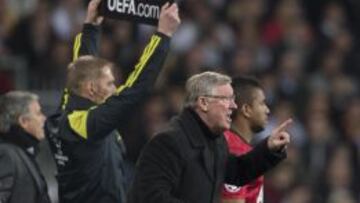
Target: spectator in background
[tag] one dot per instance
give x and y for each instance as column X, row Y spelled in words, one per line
column 300, row 193
column 241, row 62
column 333, row 20
column 21, row 128
column 250, row 117
column 279, row 181
column 340, row 179
column 66, row 17
column 290, row 75
column 315, row 151
column 35, row 46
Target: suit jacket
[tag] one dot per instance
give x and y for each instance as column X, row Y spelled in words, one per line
column 20, row 176
column 187, row 163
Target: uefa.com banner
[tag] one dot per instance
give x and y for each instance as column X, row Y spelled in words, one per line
column 139, row 11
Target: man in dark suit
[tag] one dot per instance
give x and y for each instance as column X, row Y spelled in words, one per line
column 189, row 160
column 21, row 128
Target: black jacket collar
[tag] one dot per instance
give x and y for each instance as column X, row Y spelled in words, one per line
column 195, row 128
column 79, row 103
column 201, row 137
column 19, row 137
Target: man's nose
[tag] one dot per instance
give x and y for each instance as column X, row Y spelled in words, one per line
column 233, row 104
column 43, row 117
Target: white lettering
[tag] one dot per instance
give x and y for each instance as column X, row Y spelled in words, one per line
column 148, row 11
column 140, row 10
column 125, row 5
column 132, row 8
column 129, row 7
column 119, row 7
column 111, row 5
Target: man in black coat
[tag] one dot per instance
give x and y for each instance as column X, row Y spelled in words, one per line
column 189, row 160
column 21, row 128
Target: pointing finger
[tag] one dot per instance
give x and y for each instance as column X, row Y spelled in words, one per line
column 283, row 126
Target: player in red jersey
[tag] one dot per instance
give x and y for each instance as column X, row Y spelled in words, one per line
column 250, row 118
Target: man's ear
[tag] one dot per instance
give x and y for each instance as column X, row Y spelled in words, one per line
column 246, row 110
column 87, row 88
column 92, row 88
column 203, row 104
column 23, row 121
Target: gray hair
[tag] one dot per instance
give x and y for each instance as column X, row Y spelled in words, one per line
column 203, row 84
column 13, row 105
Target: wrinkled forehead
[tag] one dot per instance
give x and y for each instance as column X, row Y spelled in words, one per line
column 224, row 89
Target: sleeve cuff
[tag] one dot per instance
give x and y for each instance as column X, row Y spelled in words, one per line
column 163, row 36
column 90, row 27
column 277, row 155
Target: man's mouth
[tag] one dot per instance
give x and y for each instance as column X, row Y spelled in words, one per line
column 229, row 117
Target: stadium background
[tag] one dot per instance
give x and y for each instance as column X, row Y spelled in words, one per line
column 305, row 52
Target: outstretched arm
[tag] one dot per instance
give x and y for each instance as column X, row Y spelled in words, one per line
column 245, row 168
column 99, row 121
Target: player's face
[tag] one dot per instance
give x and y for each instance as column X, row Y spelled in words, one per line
column 259, row 111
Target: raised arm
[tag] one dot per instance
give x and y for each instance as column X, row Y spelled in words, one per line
column 87, row 42
column 99, row 121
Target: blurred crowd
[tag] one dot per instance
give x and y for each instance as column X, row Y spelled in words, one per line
column 306, row 54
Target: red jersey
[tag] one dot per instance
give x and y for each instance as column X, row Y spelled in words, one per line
column 252, row 192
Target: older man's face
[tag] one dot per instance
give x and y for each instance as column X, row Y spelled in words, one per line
column 33, row 122
column 220, row 107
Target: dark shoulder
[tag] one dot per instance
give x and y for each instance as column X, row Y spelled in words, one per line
column 172, row 132
column 7, row 148
column 8, row 153
column 170, row 139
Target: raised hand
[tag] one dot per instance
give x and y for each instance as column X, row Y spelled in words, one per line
column 169, row 19
column 279, row 137
column 92, row 15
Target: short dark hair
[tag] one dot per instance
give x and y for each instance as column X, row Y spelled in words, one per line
column 85, row 68
column 244, row 87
